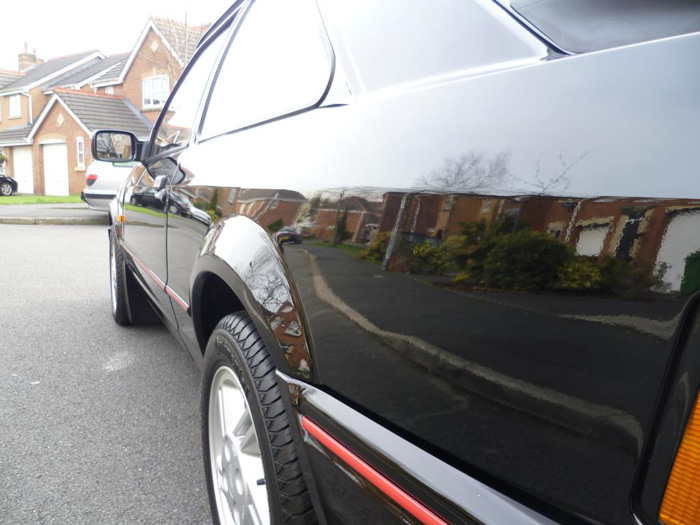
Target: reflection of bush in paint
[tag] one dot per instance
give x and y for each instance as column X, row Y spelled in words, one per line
column 505, row 255
column 524, row 260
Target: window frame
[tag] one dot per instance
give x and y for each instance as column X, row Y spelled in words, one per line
column 143, row 92
column 10, row 113
column 80, row 151
column 199, row 138
column 220, row 29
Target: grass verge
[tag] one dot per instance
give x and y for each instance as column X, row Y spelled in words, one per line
column 40, row 199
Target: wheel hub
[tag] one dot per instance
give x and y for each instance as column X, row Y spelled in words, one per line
column 232, row 479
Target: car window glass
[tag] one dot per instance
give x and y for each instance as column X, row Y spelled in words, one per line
column 176, row 127
column 279, row 62
column 591, row 25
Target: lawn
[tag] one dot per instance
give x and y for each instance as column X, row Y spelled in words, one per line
column 39, row 199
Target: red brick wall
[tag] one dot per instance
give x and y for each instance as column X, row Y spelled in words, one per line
column 67, row 132
column 148, row 63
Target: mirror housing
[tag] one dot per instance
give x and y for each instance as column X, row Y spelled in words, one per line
column 116, row 146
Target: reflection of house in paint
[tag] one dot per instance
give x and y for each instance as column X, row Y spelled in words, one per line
column 268, row 206
column 653, row 233
column 361, row 213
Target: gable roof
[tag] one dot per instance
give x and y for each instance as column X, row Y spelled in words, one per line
column 49, row 70
column 180, row 39
column 91, row 70
column 94, row 112
column 7, row 77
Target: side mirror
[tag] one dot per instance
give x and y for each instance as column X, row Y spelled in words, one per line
column 115, row 146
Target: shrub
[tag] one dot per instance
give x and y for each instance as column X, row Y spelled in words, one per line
column 276, row 226
column 524, row 261
column 428, row 258
column 618, row 275
column 579, row 273
column 376, row 249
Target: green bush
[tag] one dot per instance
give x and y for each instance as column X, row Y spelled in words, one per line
column 618, row 275
column 376, row 249
column 428, row 258
column 524, row 261
column 276, row 226
column 579, row 274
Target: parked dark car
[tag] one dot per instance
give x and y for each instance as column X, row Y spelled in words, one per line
column 518, row 341
column 287, row 236
column 8, row 185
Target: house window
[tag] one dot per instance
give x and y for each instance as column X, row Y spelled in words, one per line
column 155, row 91
column 15, row 107
column 109, row 90
column 80, row 148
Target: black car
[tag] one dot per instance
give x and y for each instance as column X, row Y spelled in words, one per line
column 8, row 185
column 516, row 343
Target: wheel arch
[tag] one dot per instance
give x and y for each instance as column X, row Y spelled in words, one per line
column 225, row 279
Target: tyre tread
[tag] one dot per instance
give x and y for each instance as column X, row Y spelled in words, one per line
column 296, row 505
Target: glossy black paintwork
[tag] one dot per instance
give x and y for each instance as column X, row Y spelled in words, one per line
column 557, row 397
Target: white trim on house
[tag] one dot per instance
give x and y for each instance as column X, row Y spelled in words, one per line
column 18, row 108
column 48, row 142
column 135, row 51
column 58, row 73
column 86, row 81
column 44, row 112
column 80, row 151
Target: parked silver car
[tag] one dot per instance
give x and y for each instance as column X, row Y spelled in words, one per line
column 103, row 180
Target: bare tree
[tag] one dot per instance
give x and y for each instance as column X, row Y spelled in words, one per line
column 470, row 171
column 179, row 37
column 557, row 182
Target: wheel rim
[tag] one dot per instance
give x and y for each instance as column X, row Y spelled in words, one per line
column 234, row 454
column 6, row 189
column 113, row 275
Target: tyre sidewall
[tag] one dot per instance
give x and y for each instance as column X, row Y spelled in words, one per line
column 222, row 350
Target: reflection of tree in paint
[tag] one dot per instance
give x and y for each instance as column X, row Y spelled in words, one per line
column 472, row 170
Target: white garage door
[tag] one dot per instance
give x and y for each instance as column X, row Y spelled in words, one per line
column 682, row 238
column 591, row 240
column 55, row 169
column 22, row 169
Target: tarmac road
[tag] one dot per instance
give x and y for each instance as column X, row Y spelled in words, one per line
column 98, row 423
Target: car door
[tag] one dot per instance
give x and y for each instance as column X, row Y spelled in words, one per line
column 145, row 204
column 150, row 209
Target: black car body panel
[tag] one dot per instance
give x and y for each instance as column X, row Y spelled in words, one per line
column 10, row 180
column 557, row 389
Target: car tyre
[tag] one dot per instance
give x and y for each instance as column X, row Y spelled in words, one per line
column 263, row 477
column 6, row 189
column 117, row 282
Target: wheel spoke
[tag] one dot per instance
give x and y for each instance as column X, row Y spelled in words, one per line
column 244, row 424
column 249, row 443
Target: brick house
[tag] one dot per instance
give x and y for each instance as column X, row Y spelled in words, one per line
column 21, row 101
column 361, row 213
column 61, row 136
column 147, row 74
column 140, row 80
column 652, row 233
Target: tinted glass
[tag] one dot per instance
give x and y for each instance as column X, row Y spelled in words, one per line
column 278, row 63
column 590, row 25
column 176, row 127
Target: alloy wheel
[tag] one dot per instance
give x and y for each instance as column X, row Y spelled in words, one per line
column 234, row 453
